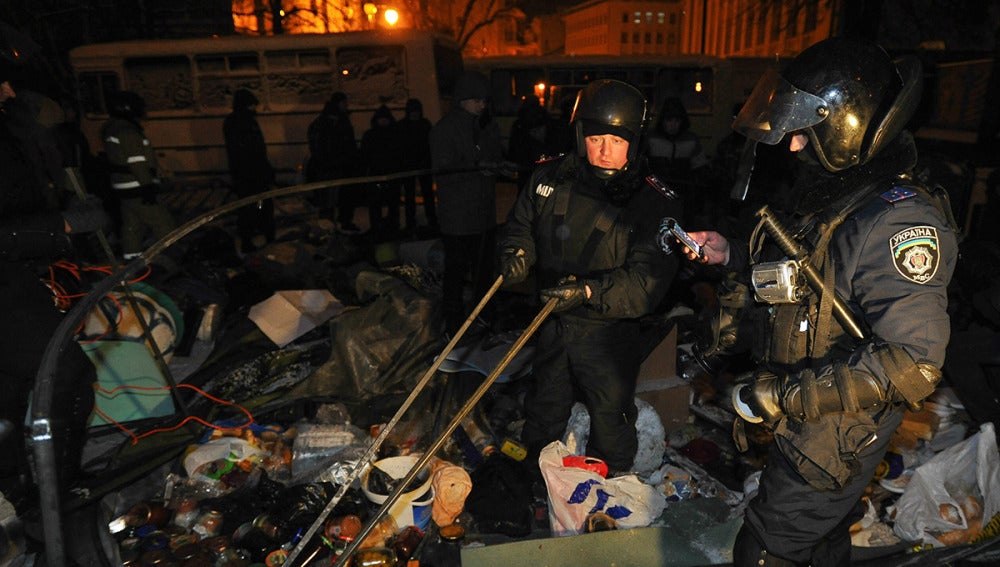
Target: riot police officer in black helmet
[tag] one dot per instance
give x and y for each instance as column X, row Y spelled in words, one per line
column 586, row 225
column 850, row 289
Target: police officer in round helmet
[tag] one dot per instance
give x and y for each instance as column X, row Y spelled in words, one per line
column 586, row 227
column 833, row 384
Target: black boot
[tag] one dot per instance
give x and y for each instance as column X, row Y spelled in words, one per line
column 747, row 552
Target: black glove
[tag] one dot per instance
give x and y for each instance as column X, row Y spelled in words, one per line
column 85, row 215
column 759, row 398
column 513, row 265
column 148, row 193
column 570, row 294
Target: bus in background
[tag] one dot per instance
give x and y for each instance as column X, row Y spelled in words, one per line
column 703, row 83
column 188, row 85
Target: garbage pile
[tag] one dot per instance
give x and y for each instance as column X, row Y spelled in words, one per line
column 292, row 411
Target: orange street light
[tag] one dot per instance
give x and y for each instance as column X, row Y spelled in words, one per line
column 370, row 11
column 391, row 17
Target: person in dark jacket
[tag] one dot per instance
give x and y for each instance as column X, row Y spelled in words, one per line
column 466, row 142
column 380, row 152
column 837, row 363
column 677, row 157
column 528, row 135
column 32, row 236
column 333, row 154
column 250, row 169
column 587, row 224
column 413, row 133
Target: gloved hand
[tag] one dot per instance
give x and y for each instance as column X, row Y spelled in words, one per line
column 148, row 193
column 513, row 265
column 85, row 215
column 760, row 398
column 570, row 293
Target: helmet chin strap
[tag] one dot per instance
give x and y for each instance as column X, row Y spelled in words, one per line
column 604, row 174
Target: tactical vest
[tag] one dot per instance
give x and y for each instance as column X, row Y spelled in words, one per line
column 572, row 227
column 793, row 336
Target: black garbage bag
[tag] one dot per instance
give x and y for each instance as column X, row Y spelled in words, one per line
column 500, row 500
column 382, row 347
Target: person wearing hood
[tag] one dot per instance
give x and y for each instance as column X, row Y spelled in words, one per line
column 380, row 151
column 333, row 154
column 414, row 137
column 677, row 157
column 586, row 224
column 838, row 361
column 466, row 151
column 250, row 169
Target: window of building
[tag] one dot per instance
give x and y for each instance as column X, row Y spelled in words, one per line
column 811, row 17
column 649, row 17
column 793, row 23
column 673, row 19
column 659, row 38
column 624, row 17
column 648, row 38
column 624, row 37
column 638, row 18
column 776, row 26
column 748, row 31
column 761, row 27
column 635, row 37
column 659, row 17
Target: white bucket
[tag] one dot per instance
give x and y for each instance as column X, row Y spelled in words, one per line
column 412, row 508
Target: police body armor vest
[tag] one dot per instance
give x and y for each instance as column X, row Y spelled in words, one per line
column 790, row 335
column 570, row 235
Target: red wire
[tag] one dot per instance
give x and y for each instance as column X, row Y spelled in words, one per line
column 136, row 438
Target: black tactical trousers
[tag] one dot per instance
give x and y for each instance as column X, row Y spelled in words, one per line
column 795, row 521
column 596, row 362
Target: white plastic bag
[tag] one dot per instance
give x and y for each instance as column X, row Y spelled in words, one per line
column 937, row 498
column 575, row 493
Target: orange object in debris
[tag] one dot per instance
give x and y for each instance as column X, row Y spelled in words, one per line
column 592, row 464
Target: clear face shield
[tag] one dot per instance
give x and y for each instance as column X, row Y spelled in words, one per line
column 773, row 109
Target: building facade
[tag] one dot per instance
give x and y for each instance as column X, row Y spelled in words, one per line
column 616, row 27
column 751, row 28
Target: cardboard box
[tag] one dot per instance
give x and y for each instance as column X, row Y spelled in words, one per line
column 659, row 386
column 287, row 315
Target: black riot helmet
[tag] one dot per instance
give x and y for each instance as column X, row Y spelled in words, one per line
column 847, row 95
column 127, row 105
column 607, row 106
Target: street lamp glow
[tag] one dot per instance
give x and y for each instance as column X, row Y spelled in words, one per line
column 391, row 17
column 370, row 10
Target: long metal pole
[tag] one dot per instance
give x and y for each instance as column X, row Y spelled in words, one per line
column 384, row 433
column 439, row 442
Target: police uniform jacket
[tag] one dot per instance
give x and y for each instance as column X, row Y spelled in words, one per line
column 131, row 157
column 569, row 225
column 893, row 257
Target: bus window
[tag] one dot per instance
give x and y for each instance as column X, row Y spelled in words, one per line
column 448, row 66
column 373, row 75
column 695, row 88
column 618, row 75
column 94, row 91
column 297, row 78
column 163, row 82
column 219, row 76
